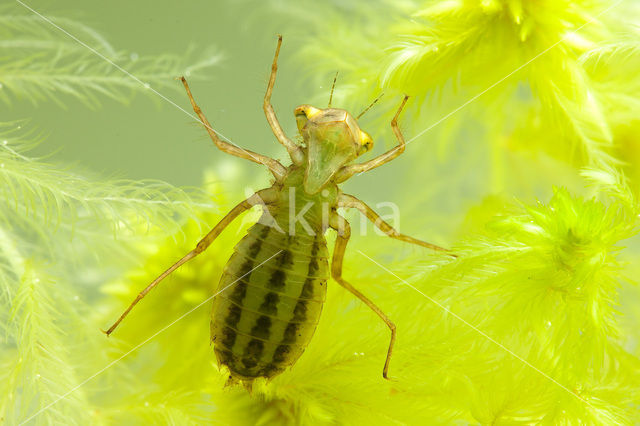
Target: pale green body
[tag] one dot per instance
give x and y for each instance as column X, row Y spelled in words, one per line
column 264, row 319
column 273, row 286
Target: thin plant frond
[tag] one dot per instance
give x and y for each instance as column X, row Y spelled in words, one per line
column 52, row 195
column 39, row 62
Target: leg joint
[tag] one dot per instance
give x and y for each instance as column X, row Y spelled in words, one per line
column 336, row 272
column 200, row 247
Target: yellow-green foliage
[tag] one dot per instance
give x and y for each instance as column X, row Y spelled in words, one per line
column 41, row 62
column 541, row 280
column 535, row 321
column 569, row 69
column 55, row 223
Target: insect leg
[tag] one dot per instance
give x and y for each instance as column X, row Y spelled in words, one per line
column 264, row 196
column 294, row 150
column 344, row 232
column 350, row 170
column 274, row 166
column 349, row 201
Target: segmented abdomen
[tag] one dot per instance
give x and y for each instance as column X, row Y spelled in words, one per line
column 264, row 318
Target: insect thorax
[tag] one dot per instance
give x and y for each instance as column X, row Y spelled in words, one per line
column 296, row 211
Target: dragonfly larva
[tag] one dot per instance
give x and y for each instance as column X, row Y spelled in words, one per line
column 274, row 285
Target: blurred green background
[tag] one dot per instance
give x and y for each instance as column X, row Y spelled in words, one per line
column 152, row 139
column 472, row 182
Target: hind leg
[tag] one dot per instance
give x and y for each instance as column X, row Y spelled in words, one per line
column 264, row 196
column 344, row 232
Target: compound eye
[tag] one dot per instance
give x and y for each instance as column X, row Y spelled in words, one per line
column 303, row 113
column 366, row 143
column 301, row 118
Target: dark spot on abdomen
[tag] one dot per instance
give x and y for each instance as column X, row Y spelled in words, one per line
column 262, row 327
column 300, row 311
column 270, row 304
column 281, row 353
column 252, row 353
column 291, row 333
column 228, row 337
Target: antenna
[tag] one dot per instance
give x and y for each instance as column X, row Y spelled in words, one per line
column 370, row 105
column 332, row 87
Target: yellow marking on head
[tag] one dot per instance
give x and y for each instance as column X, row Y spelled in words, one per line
column 303, row 113
column 306, row 110
column 366, row 142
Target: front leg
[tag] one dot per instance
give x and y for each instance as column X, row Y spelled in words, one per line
column 274, row 166
column 294, row 150
column 352, row 169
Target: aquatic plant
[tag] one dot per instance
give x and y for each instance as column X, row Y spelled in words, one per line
column 55, row 223
column 567, row 68
column 534, row 322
